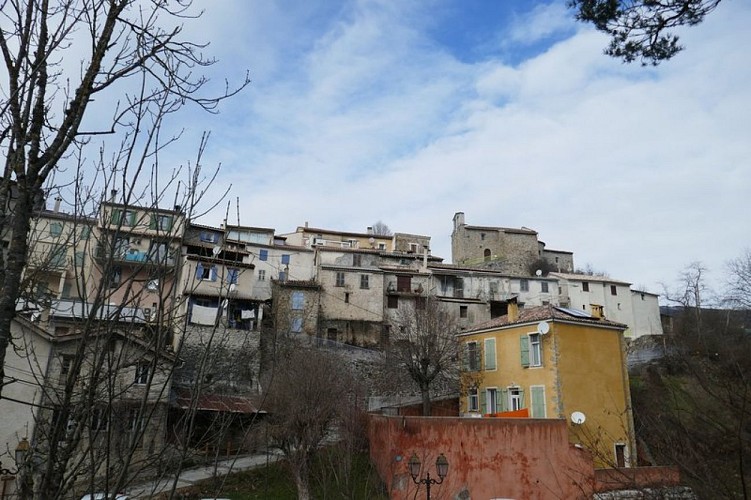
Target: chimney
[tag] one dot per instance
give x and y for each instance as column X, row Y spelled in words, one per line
column 306, row 224
column 513, row 309
column 597, row 311
column 425, row 251
column 113, row 194
column 58, row 199
column 370, row 229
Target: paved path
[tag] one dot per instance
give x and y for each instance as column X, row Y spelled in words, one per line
column 189, row 477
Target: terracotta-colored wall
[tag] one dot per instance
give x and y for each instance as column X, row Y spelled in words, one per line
column 488, row 458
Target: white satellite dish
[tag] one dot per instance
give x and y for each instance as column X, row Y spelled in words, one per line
column 216, row 250
column 538, row 272
column 543, row 327
column 232, row 288
column 578, row 417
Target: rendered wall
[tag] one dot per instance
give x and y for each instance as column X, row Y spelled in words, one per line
column 488, row 458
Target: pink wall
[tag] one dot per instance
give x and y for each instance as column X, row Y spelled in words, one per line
column 488, row 457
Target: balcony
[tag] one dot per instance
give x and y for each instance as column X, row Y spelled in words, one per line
column 135, row 257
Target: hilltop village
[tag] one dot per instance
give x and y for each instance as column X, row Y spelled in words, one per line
column 138, row 323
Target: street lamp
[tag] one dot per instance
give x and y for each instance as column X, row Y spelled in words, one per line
column 441, row 465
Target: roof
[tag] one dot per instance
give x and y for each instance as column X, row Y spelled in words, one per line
column 543, row 313
column 182, row 398
column 504, row 229
column 590, row 277
column 317, row 230
column 441, row 268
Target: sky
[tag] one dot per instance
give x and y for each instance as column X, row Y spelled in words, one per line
column 508, row 111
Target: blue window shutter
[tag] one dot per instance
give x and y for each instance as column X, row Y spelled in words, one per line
column 285, row 259
column 213, row 273
column 232, row 276
column 490, row 354
column 263, row 255
column 524, row 349
column 199, row 271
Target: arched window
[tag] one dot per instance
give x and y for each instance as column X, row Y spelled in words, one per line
column 487, row 255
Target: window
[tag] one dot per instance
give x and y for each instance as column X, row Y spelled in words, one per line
column 613, row 290
column 364, row 281
column 491, row 400
column 462, row 311
column 472, row 361
column 515, row 398
column 339, row 279
column 620, row 455
column 263, row 255
column 346, row 297
column 117, row 216
column 585, row 286
column 298, row 301
column 544, row 287
column 135, row 422
column 142, row 373
column 66, row 363
column 129, row 218
column 115, row 275
column 85, row 232
column 58, row 256
column 524, row 285
column 473, row 400
column 490, row 363
column 356, row 260
column 393, row 302
column 285, row 259
column 232, row 275
column 261, row 275
column 99, row 419
column 122, row 244
column 486, row 255
column 382, row 246
column 482, row 236
column 158, row 251
column 493, row 288
column 531, row 350
column 206, row 272
column 282, row 276
column 56, row 229
column 79, row 258
column 161, row 222
column 296, row 325
column 209, row 237
column 537, row 395
column 403, row 283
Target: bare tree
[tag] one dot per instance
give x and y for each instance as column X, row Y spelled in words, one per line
column 424, row 346
column 738, row 286
column 133, row 46
column 310, row 394
column 381, row 229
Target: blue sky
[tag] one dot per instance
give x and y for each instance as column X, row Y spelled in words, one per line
column 408, row 112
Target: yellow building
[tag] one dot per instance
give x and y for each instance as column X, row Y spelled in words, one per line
column 555, row 362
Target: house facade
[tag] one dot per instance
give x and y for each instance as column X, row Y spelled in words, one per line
column 554, row 362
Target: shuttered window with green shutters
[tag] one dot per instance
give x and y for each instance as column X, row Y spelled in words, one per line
column 490, row 358
column 524, row 350
column 537, row 395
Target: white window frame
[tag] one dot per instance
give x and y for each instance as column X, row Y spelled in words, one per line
column 340, row 280
column 491, row 399
column 473, row 399
column 142, row 374
column 515, row 398
column 535, row 349
column 261, row 275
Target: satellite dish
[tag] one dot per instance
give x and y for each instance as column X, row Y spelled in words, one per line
column 216, row 250
column 543, row 327
column 232, row 287
column 578, row 417
column 371, row 240
column 538, row 272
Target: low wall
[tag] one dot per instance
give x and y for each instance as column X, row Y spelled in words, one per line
column 636, row 478
column 488, row 457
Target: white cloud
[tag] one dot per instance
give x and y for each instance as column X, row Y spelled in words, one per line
column 356, row 115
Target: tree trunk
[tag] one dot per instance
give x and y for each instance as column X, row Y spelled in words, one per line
column 302, row 482
column 425, row 392
column 11, row 278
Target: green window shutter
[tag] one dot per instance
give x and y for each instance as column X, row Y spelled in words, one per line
column 483, row 402
column 538, row 402
column 503, row 402
column 168, row 224
column 490, row 354
column 117, row 216
column 524, row 349
column 152, row 222
column 522, row 403
column 465, row 357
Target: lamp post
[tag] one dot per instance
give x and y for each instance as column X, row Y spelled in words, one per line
column 441, row 465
